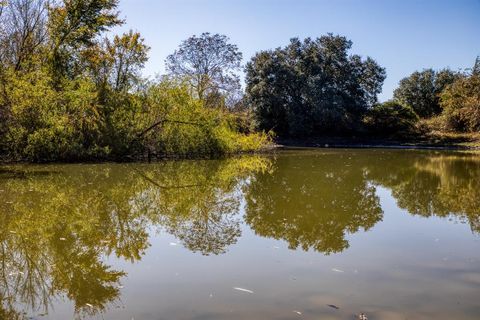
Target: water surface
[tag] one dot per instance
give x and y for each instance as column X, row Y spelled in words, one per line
column 305, row 234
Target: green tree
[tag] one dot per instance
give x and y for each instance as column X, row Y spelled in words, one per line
column 116, row 64
column 115, row 68
column 74, row 26
column 210, row 64
column 461, row 104
column 312, row 86
column 23, row 37
column 421, row 90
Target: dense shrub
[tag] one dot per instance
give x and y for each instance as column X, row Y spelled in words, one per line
column 391, row 118
column 461, row 105
column 46, row 124
column 185, row 126
column 164, row 120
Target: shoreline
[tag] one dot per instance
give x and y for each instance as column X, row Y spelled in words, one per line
column 362, row 143
column 282, row 144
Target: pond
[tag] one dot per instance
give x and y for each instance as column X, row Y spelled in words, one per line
column 299, row 234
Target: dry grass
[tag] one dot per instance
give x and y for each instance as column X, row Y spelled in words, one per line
column 433, row 131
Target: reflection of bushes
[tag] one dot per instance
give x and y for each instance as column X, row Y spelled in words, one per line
column 315, row 208
column 57, row 223
column 432, row 184
column 201, row 211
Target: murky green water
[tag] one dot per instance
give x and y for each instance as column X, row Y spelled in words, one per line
column 324, row 234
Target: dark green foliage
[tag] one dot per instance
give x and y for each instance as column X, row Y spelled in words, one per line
column 421, row 90
column 312, row 87
column 391, row 118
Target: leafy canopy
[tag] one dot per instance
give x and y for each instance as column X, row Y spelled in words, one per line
column 421, row 90
column 312, row 86
column 210, row 64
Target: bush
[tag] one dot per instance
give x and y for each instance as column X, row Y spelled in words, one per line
column 391, row 118
column 47, row 125
column 461, row 105
column 186, row 127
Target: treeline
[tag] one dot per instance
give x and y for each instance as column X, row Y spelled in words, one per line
column 69, row 91
column 315, row 87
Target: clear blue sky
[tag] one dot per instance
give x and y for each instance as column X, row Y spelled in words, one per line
column 403, row 35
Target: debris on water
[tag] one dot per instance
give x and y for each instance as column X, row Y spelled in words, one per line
column 9, row 202
column 120, row 287
column 297, row 312
column 243, row 290
column 89, row 305
column 63, row 239
column 173, row 244
column 333, row 306
column 275, row 247
column 362, row 316
column 337, row 270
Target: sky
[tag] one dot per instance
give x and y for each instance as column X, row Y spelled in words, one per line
column 402, row 35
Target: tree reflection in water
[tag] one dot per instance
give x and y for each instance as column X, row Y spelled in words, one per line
column 58, row 224
column 432, row 183
column 312, row 201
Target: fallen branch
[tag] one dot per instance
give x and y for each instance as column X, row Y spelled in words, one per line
column 156, row 124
